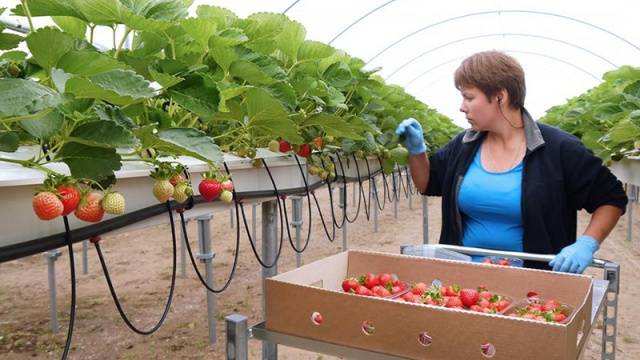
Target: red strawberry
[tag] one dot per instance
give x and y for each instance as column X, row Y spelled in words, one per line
column 559, row 317
column 454, row 302
column 484, row 303
column 285, row 146
column 175, row 179
column 408, row 297
column 550, row 305
column 350, row 285
column 362, row 290
column 70, row 197
column 503, row 304
column 385, row 279
column 227, row 185
column 469, row 297
column 399, row 283
column 486, row 295
column 476, row 308
column 419, row 288
column 47, row 206
column 210, row 189
column 396, row 289
column 381, row 292
column 304, row 151
column 487, row 260
column 317, row 318
column 89, row 208
column 504, row 262
column 318, row 142
column 371, row 280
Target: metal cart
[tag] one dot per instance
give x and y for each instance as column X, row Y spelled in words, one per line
column 605, row 302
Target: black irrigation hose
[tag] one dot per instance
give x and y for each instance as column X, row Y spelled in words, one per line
column 193, row 260
column 173, row 283
column 286, row 218
column 372, row 180
column 72, row 310
column 246, row 225
column 385, row 184
column 344, row 182
column 361, row 194
column 331, row 238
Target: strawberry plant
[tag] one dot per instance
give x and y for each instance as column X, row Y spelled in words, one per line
column 193, row 86
column 607, row 117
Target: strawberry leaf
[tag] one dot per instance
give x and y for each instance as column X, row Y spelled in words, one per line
column 106, row 134
column 191, row 142
column 19, row 97
column 89, row 162
column 48, row 45
column 9, row 141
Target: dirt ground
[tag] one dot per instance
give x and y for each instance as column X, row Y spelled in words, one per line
column 140, row 264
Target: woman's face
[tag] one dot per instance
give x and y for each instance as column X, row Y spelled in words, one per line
column 480, row 113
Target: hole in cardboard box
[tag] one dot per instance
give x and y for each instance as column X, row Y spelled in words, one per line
column 316, row 318
column 488, row 350
column 424, row 339
column 368, row 328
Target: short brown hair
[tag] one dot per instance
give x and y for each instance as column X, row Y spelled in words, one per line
column 492, row 71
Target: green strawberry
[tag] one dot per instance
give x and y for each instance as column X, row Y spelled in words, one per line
column 113, row 203
column 162, row 190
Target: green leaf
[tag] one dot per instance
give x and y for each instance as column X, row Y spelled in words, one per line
column 120, row 87
column 191, row 142
column 71, row 25
column 633, row 89
column 333, row 126
column 49, row 8
column 314, row 50
column 338, row 75
column 88, row 63
column 228, row 37
column 89, row 162
column 9, row 41
column 114, row 114
column 45, row 126
column 15, row 55
column 159, row 9
column 165, row 80
column 267, row 114
column 262, row 30
column 199, row 29
column 19, row 97
column 48, row 45
column 9, row 141
column 198, row 93
column 229, row 93
column 284, row 92
column 147, row 43
column 290, row 39
column 250, row 72
column 106, row 134
column 624, row 131
column 222, row 17
column 224, row 56
column 59, row 78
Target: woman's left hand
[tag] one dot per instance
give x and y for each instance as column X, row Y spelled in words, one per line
column 576, row 257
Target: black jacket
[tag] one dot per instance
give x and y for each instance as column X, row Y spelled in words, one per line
column 560, row 176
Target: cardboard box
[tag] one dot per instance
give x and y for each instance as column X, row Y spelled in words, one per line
column 292, row 298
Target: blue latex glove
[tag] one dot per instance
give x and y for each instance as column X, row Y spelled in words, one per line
column 413, row 138
column 576, row 257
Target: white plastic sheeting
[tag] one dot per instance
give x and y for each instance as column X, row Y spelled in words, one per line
column 564, row 46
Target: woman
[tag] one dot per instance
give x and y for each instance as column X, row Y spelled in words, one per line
column 509, row 183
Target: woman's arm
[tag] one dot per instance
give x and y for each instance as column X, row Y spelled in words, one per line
column 602, row 222
column 419, row 166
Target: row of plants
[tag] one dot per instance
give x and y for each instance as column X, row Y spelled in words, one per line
column 607, row 117
column 197, row 86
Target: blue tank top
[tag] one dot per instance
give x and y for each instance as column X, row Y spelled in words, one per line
column 489, row 203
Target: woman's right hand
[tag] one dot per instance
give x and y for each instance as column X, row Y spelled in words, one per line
column 411, row 130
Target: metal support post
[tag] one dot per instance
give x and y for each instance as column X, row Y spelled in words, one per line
column 296, row 222
column 253, row 221
column 425, row 220
column 269, row 252
column 610, row 314
column 85, row 258
column 231, row 216
column 52, row 256
column 237, row 337
column 206, row 256
column 343, row 204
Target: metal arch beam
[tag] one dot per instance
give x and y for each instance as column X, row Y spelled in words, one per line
column 358, row 20
column 543, row 13
column 499, row 34
column 290, row 6
column 509, row 51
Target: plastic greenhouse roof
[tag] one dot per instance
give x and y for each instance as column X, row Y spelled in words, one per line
column 564, row 46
